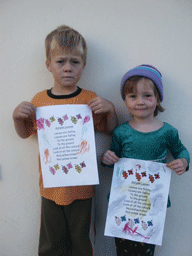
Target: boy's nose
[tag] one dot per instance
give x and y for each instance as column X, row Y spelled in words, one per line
column 67, row 67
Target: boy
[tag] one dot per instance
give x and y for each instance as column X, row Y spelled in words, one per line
column 66, row 211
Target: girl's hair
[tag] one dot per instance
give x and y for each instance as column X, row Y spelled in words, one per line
column 130, row 87
column 68, row 39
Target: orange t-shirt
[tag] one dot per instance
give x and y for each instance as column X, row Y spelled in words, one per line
column 66, row 195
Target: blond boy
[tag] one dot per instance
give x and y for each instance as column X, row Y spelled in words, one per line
column 66, row 211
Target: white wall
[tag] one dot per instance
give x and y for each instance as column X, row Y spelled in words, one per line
column 120, row 35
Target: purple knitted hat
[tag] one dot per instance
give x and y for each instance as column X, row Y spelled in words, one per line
column 146, row 71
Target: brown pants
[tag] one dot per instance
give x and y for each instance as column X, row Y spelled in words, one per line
column 65, row 229
column 129, row 248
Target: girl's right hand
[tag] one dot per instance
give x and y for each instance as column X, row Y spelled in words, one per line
column 109, row 158
column 23, row 110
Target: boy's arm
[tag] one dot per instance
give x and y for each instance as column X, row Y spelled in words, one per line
column 22, row 116
column 100, row 105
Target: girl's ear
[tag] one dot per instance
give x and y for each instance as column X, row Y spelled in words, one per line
column 158, row 101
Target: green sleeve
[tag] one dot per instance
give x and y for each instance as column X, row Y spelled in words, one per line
column 177, row 149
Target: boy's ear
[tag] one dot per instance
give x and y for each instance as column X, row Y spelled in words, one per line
column 48, row 65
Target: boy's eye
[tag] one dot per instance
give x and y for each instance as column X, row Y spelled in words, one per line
column 148, row 95
column 60, row 61
column 75, row 61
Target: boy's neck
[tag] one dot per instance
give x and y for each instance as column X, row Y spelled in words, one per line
column 143, row 125
column 63, row 91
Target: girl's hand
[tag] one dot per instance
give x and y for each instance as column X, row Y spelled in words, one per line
column 23, row 110
column 100, row 105
column 179, row 165
column 109, row 158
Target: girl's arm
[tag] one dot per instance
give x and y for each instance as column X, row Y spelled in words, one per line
column 179, row 152
column 179, row 165
column 109, row 158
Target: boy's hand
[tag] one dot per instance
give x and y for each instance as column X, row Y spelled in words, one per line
column 23, row 110
column 109, row 158
column 179, row 165
column 100, row 105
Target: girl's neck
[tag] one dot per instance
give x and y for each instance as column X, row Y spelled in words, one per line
column 145, row 126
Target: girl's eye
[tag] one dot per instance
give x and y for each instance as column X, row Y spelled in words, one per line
column 60, row 61
column 133, row 96
column 148, row 95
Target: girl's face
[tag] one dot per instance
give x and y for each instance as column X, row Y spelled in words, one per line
column 142, row 102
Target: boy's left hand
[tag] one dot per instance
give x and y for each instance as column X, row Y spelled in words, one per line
column 179, row 165
column 100, row 105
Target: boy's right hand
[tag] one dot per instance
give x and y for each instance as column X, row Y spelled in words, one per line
column 109, row 158
column 23, row 110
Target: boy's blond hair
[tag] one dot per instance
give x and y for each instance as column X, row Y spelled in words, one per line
column 68, row 39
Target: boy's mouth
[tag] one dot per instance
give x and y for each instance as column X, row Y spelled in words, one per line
column 67, row 77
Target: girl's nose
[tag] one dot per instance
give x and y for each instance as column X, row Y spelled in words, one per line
column 139, row 100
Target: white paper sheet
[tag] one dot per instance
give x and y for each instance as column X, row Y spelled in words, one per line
column 67, row 145
column 138, row 201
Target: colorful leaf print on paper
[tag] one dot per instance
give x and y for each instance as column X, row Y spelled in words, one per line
column 131, row 223
column 52, row 170
column 52, row 119
column 40, row 124
column 150, row 223
column 47, row 157
column 56, row 166
column 78, row 168
column 86, row 119
column 123, row 218
column 65, row 117
column 48, row 123
column 84, row 147
column 144, row 225
column 60, row 121
column 118, row 220
column 144, row 174
column 74, row 120
column 69, row 166
column 151, row 178
column 136, row 221
column 139, row 166
column 65, row 170
column 79, row 116
column 130, row 172
column 83, row 164
column 157, row 176
column 125, row 175
column 138, row 176
column 83, row 131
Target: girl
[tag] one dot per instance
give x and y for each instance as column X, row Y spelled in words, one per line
column 144, row 137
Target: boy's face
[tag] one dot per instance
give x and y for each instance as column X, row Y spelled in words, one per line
column 66, row 69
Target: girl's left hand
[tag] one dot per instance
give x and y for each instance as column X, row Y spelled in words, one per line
column 179, row 165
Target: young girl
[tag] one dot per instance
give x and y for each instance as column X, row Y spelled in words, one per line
column 144, row 137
